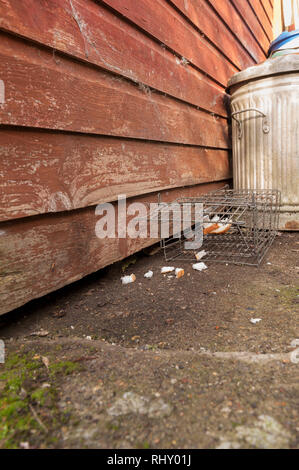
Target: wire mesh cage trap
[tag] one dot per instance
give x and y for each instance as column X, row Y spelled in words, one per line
column 237, row 226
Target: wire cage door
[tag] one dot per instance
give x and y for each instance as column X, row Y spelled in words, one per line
column 237, row 226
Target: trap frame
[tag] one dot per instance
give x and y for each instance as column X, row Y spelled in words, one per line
column 249, row 219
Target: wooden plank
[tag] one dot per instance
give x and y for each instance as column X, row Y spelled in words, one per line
column 262, row 18
column 204, row 17
column 268, row 10
column 235, row 21
column 250, row 20
column 44, row 253
column 115, row 46
column 66, row 95
column 48, row 172
column 168, row 27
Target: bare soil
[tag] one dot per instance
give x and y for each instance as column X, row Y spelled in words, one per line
column 157, row 364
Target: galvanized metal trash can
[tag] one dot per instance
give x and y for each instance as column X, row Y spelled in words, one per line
column 265, row 116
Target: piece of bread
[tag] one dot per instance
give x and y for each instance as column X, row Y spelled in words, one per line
column 213, row 225
column 222, row 229
column 200, row 255
column 179, row 273
column 167, row 270
column 209, row 228
column 128, row 279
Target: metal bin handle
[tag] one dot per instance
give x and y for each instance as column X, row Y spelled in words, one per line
column 266, row 128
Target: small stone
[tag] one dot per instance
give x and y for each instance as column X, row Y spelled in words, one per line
column 24, row 445
column 226, row 410
column 265, row 433
column 133, row 403
column 46, row 385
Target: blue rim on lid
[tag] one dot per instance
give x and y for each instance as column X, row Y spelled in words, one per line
column 283, row 39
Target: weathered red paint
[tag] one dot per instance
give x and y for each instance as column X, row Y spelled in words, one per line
column 69, row 96
column 268, row 7
column 237, row 23
column 251, row 20
column 60, row 172
column 41, row 254
column 168, row 26
column 118, row 48
column 105, row 98
column 262, row 17
column 204, row 17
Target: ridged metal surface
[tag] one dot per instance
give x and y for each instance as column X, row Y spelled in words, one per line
column 269, row 160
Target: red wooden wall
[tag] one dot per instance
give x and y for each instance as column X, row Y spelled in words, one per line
column 105, row 98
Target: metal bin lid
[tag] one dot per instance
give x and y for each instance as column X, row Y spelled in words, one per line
column 274, row 66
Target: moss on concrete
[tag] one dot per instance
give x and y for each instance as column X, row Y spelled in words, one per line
column 28, row 399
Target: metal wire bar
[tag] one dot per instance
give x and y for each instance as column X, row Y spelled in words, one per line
column 252, row 215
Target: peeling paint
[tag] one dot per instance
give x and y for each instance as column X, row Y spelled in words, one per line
column 59, row 198
column 2, row 92
column 80, row 23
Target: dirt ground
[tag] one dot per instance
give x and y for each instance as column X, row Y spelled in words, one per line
column 161, row 363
